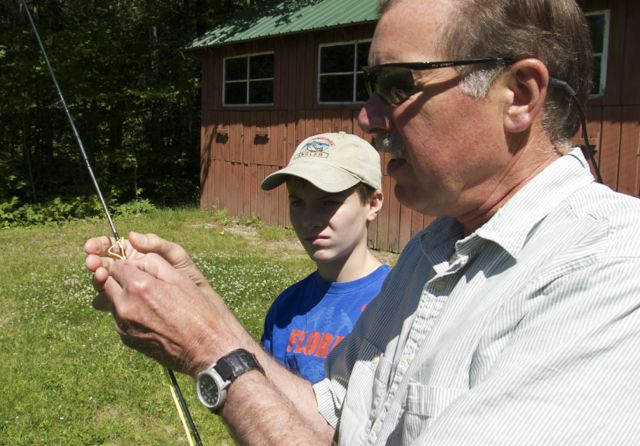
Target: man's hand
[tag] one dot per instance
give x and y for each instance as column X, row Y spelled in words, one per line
column 171, row 252
column 163, row 307
column 138, row 244
column 158, row 309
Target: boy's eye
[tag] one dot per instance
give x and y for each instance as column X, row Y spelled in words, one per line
column 295, row 203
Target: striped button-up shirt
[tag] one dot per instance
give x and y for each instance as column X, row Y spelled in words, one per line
column 526, row 332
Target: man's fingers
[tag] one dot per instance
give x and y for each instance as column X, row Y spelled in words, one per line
column 98, row 245
column 102, row 282
column 98, row 282
column 108, row 247
column 148, row 243
column 151, row 264
column 93, row 262
column 100, row 267
column 102, row 303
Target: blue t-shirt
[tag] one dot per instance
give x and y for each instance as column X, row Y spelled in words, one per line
column 312, row 316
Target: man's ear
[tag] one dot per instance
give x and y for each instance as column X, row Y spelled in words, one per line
column 375, row 205
column 526, row 84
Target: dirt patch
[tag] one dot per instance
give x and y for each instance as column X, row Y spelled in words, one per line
column 291, row 246
column 390, row 258
column 247, row 232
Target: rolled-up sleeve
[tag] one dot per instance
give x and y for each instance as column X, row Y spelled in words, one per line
column 327, row 402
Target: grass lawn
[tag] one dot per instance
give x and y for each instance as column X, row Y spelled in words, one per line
column 65, row 378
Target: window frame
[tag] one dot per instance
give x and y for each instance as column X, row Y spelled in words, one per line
column 247, row 81
column 604, row 55
column 356, row 70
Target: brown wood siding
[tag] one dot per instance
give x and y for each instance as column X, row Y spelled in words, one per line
column 615, row 117
column 233, row 166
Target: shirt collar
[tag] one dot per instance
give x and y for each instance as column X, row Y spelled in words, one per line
column 511, row 225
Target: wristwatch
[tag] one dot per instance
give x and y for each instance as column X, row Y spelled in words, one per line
column 212, row 383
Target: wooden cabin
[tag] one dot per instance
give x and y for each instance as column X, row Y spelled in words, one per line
column 280, row 72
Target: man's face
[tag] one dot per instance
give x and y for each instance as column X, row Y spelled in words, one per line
column 443, row 144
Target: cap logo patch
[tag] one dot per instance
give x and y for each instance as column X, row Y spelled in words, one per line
column 317, row 147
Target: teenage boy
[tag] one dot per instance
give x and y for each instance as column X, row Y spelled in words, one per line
column 334, row 183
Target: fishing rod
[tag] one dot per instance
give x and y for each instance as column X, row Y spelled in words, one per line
column 178, row 399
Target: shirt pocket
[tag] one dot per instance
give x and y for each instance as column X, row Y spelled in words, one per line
column 423, row 405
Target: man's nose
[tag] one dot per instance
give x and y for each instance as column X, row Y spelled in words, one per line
column 372, row 118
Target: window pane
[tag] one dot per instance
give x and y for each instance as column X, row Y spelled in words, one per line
column 363, row 55
column 361, row 89
column 335, row 59
column 596, row 26
column 236, row 69
column 261, row 92
column 235, row 93
column 261, row 66
column 595, row 86
column 336, row 88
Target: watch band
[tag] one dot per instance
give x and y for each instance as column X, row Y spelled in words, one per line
column 235, row 363
column 212, row 383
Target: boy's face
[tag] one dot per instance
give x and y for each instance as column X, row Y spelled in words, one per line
column 329, row 225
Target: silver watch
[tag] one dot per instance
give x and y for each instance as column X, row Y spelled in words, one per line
column 212, row 383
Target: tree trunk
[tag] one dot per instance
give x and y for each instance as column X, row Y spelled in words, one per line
column 26, row 154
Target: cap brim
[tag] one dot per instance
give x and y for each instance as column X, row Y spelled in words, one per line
column 330, row 179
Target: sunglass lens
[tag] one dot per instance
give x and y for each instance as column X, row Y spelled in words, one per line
column 369, row 80
column 394, row 84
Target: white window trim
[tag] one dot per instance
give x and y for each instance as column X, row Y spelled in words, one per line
column 356, row 70
column 247, row 80
column 604, row 56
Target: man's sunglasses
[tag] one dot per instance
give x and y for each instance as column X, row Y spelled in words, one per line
column 393, row 82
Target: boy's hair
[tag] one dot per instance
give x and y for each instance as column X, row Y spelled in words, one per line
column 365, row 192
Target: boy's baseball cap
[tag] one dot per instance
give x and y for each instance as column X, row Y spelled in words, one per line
column 332, row 162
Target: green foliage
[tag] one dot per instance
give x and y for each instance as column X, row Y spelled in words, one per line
column 221, row 216
column 252, row 220
column 134, row 208
column 65, row 377
column 13, row 213
column 135, row 100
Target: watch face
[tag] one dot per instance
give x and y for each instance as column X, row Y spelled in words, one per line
column 211, row 384
column 208, row 390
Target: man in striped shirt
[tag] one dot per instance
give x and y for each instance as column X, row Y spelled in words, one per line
column 512, row 319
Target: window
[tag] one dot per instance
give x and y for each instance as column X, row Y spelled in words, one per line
column 599, row 26
column 340, row 77
column 248, row 80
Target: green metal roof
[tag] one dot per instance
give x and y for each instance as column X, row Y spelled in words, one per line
column 268, row 19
